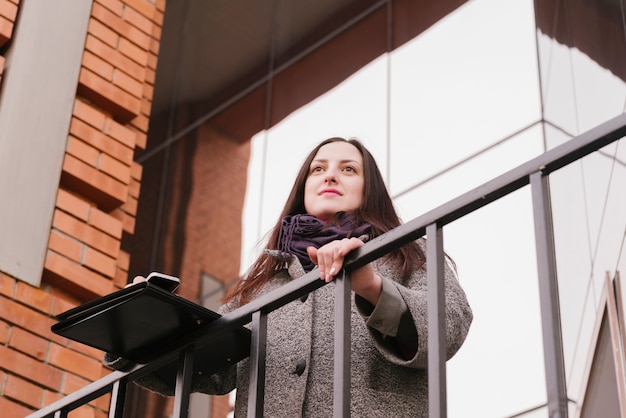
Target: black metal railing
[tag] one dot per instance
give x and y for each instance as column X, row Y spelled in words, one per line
column 534, row 173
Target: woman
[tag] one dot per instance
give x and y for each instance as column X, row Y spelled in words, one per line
column 339, row 200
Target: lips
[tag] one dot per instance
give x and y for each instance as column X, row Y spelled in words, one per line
column 330, row 191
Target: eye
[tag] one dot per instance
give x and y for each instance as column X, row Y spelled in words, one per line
column 316, row 169
column 349, row 169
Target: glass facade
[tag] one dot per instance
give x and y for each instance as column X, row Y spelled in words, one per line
column 476, row 95
column 483, row 90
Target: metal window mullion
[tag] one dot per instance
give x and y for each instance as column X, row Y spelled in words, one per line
column 256, row 388
column 342, row 347
column 183, row 383
column 437, row 396
column 549, row 297
column 118, row 397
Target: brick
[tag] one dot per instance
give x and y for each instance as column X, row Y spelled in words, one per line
column 146, row 8
column 128, row 84
column 86, row 350
column 148, row 91
column 102, row 189
column 72, row 204
column 63, row 303
column 66, row 246
column 34, row 297
column 8, row 10
column 89, row 114
column 85, row 411
column 7, row 285
column 121, row 278
column 74, row 362
column 157, row 30
column 98, row 65
column 5, row 332
column 105, row 223
column 23, row 391
column 150, row 77
column 130, row 206
column 120, row 133
column 136, row 171
column 73, row 383
column 22, row 316
column 140, row 14
column 155, row 47
column 29, row 343
column 124, row 106
column 123, row 28
column 6, row 29
column 108, row 144
column 116, row 59
column 99, row 262
column 123, row 261
column 141, row 122
column 152, row 62
column 115, row 169
column 142, row 140
column 115, row 6
column 134, row 52
column 128, row 221
column 146, row 106
column 50, row 397
column 103, row 33
column 83, row 151
column 11, row 409
column 102, row 404
column 86, row 233
column 74, row 278
column 15, row 362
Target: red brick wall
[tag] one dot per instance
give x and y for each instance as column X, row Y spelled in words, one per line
column 96, row 207
column 8, row 13
column 200, row 226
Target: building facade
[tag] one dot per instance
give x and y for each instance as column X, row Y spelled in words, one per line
column 167, row 138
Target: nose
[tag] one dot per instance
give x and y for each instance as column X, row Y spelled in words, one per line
column 330, row 178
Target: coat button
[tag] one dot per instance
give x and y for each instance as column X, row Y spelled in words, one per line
column 300, row 366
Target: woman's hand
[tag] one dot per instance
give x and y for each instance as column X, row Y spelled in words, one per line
column 329, row 260
column 136, row 279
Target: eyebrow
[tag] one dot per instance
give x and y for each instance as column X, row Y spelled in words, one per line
column 325, row 160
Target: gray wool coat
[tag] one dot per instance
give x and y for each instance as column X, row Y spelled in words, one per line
column 299, row 362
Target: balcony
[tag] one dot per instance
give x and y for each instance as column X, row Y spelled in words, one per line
column 534, row 173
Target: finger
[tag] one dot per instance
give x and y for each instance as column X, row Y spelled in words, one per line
column 349, row 245
column 333, row 263
column 136, row 279
column 312, row 252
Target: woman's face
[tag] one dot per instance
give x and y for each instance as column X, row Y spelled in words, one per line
column 335, row 182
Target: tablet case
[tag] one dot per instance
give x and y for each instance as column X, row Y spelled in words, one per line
column 138, row 322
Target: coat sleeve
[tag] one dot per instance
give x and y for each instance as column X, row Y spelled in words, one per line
column 409, row 346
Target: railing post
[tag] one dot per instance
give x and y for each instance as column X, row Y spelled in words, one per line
column 118, row 397
column 256, row 388
column 437, row 392
column 549, row 297
column 342, row 347
column 183, row 383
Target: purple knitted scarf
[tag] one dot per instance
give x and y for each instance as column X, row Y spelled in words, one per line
column 297, row 232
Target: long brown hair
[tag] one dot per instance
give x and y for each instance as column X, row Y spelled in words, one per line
column 377, row 209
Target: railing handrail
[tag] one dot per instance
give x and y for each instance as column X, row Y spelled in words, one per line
column 454, row 209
